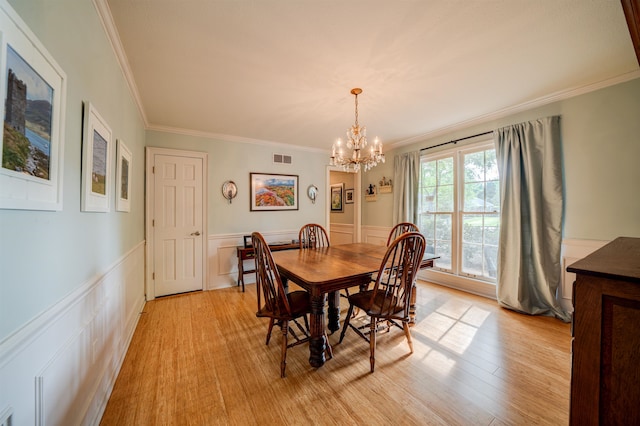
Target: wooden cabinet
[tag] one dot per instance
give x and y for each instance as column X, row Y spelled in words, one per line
column 605, row 374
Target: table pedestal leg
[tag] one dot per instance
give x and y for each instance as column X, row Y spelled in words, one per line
column 412, row 307
column 334, row 311
column 317, row 343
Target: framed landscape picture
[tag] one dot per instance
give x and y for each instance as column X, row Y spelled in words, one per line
column 337, row 191
column 273, row 192
column 123, row 181
column 33, row 92
column 96, row 162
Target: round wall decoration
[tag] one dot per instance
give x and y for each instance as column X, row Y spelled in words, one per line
column 312, row 192
column 229, row 190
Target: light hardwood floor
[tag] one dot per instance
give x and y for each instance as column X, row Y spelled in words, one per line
column 200, row 359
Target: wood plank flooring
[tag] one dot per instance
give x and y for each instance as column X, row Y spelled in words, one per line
column 200, row 359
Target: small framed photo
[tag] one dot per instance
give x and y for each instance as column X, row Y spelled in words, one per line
column 348, row 196
column 96, row 162
column 247, row 241
column 337, row 190
column 33, row 94
column 123, row 181
column 272, row 192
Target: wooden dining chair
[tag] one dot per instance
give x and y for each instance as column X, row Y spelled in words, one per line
column 389, row 299
column 278, row 305
column 400, row 229
column 313, row 235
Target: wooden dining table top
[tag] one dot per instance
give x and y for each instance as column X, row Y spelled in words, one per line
column 332, row 268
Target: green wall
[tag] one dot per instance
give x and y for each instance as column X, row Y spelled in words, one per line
column 234, row 161
column 44, row 256
column 601, row 150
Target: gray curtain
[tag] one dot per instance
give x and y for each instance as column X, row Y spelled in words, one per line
column 406, row 178
column 529, row 267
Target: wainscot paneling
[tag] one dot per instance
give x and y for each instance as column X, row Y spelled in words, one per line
column 341, row 233
column 375, row 234
column 59, row 368
column 572, row 251
column 223, row 261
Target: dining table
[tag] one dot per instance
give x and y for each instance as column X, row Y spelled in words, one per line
column 323, row 272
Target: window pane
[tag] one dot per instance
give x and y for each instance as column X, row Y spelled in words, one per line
column 491, row 261
column 443, row 249
column 474, row 167
column 429, row 175
column 426, row 224
column 472, row 228
column 491, row 167
column 445, row 171
column 491, row 229
column 428, row 197
column 443, row 227
column 473, row 197
column 493, row 196
column 472, row 259
column 445, row 198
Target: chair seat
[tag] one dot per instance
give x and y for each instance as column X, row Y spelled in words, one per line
column 374, row 308
column 299, row 303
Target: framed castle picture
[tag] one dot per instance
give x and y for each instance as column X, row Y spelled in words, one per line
column 33, row 92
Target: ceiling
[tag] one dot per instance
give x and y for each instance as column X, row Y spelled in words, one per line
column 281, row 71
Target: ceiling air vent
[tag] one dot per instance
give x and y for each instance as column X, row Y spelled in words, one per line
column 281, row 159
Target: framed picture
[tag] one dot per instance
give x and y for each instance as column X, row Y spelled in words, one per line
column 247, row 241
column 337, row 190
column 123, row 182
column 348, row 196
column 33, row 92
column 272, row 192
column 96, row 162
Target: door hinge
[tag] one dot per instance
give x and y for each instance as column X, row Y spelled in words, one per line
column 153, row 222
column 153, row 169
column 153, row 275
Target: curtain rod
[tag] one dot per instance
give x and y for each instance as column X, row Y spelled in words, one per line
column 457, row 140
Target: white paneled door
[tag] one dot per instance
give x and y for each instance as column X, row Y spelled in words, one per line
column 177, row 223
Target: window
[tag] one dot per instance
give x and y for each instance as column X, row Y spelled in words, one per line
column 459, row 210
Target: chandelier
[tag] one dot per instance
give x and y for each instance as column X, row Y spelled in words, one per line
column 356, row 157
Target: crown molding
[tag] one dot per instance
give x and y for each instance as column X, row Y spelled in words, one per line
column 554, row 97
column 104, row 12
column 231, row 138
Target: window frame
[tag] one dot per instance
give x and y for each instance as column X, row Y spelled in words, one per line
column 458, row 153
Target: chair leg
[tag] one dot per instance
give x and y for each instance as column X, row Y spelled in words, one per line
column 372, row 343
column 407, row 333
column 283, row 362
column 346, row 323
column 269, row 330
column 328, row 351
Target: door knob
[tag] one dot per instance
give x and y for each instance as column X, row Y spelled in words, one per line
column 195, row 233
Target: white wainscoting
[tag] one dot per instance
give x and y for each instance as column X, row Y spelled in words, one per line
column 60, row 368
column 223, row 261
column 376, row 234
column 572, row 251
column 341, row 233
